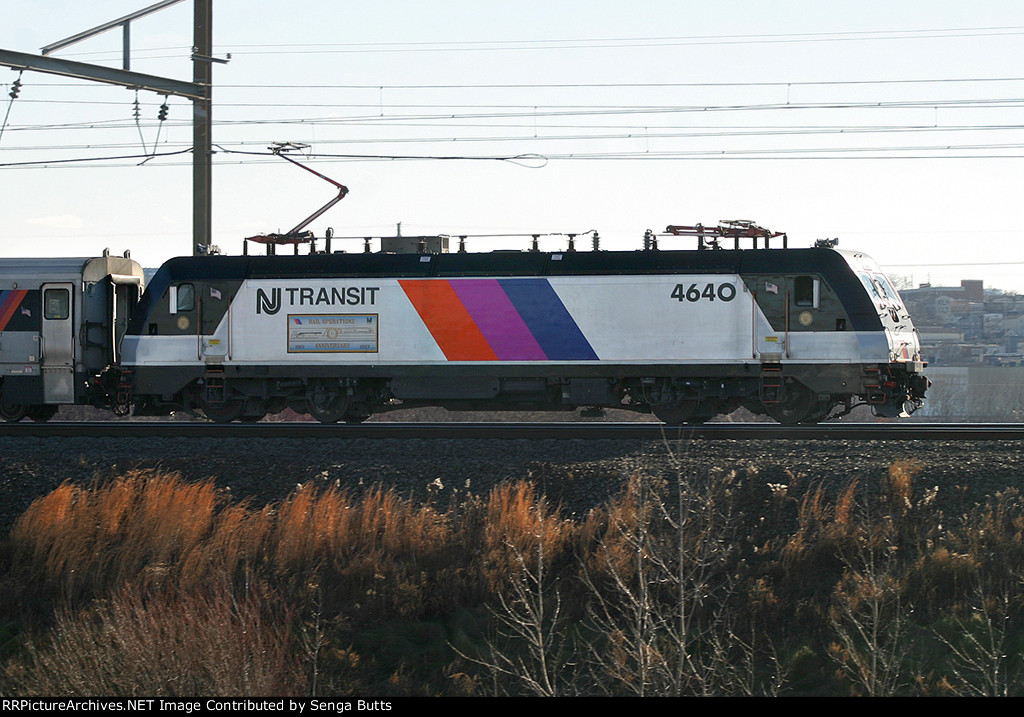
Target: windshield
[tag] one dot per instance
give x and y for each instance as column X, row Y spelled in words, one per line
column 888, row 288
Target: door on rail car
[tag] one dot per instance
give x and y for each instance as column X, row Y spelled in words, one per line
column 787, row 303
column 123, row 298
column 214, row 299
column 106, row 307
column 57, row 356
column 771, row 294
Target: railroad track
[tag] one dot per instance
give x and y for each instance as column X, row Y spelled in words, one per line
column 561, row 430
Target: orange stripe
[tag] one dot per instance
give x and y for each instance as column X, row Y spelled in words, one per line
column 448, row 320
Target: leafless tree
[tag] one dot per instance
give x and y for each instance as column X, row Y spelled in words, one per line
column 660, row 596
column 982, row 663
column 869, row 618
column 531, row 652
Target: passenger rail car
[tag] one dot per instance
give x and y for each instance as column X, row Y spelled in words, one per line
column 61, row 324
column 799, row 334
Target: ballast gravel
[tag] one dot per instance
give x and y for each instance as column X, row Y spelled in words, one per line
column 577, row 475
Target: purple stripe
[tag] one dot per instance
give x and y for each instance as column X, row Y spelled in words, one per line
column 498, row 320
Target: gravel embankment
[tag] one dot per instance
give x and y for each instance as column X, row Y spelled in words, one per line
column 576, row 474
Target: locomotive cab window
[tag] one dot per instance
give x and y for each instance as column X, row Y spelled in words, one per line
column 182, row 298
column 887, row 289
column 807, row 291
column 872, row 288
column 57, row 304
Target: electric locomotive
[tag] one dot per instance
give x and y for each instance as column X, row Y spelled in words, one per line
column 798, row 334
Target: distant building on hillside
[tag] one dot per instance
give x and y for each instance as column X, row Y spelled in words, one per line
column 965, row 326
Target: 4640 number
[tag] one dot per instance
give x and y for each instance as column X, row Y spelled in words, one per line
column 707, row 292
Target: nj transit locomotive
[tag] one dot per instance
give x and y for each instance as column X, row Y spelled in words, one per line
column 799, row 334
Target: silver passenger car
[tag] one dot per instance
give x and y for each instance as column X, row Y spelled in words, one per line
column 61, row 323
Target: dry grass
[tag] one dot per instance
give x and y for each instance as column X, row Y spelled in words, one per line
column 327, row 591
column 898, row 486
column 141, row 526
column 825, row 529
column 519, row 525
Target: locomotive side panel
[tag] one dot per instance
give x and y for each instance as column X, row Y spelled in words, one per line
column 509, row 320
column 423, row 322
column 654, row 319
column 791, row 333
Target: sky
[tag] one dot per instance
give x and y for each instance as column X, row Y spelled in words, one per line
column 896, row 127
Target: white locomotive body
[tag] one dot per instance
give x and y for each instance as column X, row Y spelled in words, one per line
column 795, row 333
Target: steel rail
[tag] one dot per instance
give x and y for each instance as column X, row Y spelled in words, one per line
column 562, row 430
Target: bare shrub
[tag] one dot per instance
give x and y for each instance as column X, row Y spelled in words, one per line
column 870, row 620
column 662, row 588
column 532, row 652
column 824, row 528
column 993, row 534
column 869, row 613
column 983, row 660
column 516, row 522
column 172, row 644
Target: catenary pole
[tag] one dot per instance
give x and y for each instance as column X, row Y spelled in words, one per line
column 200, row 91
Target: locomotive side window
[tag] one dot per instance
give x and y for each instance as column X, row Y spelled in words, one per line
column 57, row 304
column 182, row 298
column 806, row 291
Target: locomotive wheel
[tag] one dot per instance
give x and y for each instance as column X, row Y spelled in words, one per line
column 677, row 415
column 255, row 411
column 358, row 413
column 224, row 413
column 41, row 414
column 12, row 412
column 798, row 404
column 820, row 410
column 327, row 403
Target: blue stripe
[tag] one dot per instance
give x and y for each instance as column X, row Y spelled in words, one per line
column 548, row 320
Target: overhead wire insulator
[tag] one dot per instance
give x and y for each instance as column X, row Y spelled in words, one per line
column 162, row 114
column 137, row 114
column 13, row 94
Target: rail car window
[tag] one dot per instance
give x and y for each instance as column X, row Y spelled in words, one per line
column 57, row 304
column 183, row 298
column 806, row 291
